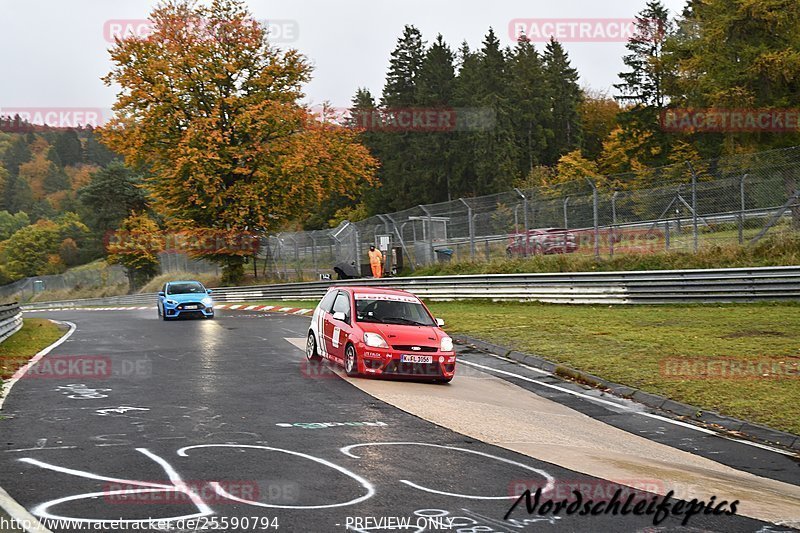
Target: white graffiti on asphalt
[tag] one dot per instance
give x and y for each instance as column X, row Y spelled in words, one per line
column 548, row 477
column 122, row 409
column 176, row 483
column 79, row 391
column 222, row 492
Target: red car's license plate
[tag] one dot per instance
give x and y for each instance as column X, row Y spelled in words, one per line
column 416, row 359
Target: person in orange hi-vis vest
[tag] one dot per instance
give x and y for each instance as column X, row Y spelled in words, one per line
column 376, row 262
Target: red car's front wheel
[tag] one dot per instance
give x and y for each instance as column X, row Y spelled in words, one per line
column 350, row 361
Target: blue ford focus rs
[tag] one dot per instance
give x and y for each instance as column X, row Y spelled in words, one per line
column 185, row 298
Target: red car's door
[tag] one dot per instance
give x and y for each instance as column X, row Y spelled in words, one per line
column 328, row 330
column 338, row 331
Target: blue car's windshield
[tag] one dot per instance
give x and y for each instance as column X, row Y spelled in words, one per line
column 185, row 288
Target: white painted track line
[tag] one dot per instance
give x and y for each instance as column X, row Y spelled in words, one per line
column 618, row 405
column 24, row 369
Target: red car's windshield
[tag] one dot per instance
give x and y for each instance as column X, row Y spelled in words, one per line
column 392, row 312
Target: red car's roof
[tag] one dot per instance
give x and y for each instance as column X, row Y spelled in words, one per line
column 373, row 290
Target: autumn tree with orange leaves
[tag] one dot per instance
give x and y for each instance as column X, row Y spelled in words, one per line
column 211, row 111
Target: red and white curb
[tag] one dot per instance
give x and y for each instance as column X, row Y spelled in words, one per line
column 271, row 308
column 239, row 307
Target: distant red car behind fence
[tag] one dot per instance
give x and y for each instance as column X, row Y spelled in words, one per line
column 558, row 241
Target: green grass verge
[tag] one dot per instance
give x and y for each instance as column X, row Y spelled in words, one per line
column 627, row 344
column 36, row 334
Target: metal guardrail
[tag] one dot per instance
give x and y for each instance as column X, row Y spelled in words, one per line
column 10, row 320
column 637, row 287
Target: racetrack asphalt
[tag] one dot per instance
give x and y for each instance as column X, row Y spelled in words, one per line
column 232, row 401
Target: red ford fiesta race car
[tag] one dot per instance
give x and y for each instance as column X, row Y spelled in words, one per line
column 380, row 332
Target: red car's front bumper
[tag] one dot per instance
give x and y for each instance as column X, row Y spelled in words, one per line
column 388, row 362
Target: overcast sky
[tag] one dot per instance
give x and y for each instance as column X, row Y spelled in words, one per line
column 54, row 52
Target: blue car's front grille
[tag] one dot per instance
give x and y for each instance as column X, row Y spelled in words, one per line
column 193, row 306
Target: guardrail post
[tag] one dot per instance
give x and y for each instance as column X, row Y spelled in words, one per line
column 471, row 227
column 694, row 205
column 596, row 221
column 666, row 234
column 741, row 211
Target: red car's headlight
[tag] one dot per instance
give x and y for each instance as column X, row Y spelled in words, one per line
column 374, row 340
column 446, row 344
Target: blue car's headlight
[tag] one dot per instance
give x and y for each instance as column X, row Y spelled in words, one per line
column 207, row 301
column 171, row 302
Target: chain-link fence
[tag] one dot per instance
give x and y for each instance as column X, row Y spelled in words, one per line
column 174, row 261
column 90, row 278
column 685, row 206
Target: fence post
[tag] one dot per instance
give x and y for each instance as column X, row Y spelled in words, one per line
column 297, row 266
column 430, row 233
column 694, row 204
column 566, row 222
column 284, row 255
column 388, row 259
column 399, row 233
column 596, row 220
column 471, row 228
column 524, row 219
column 403, row 241
column 314, row 255
column 666, row 234
column 357, row 242
column 613, row 222
column 741, row 211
